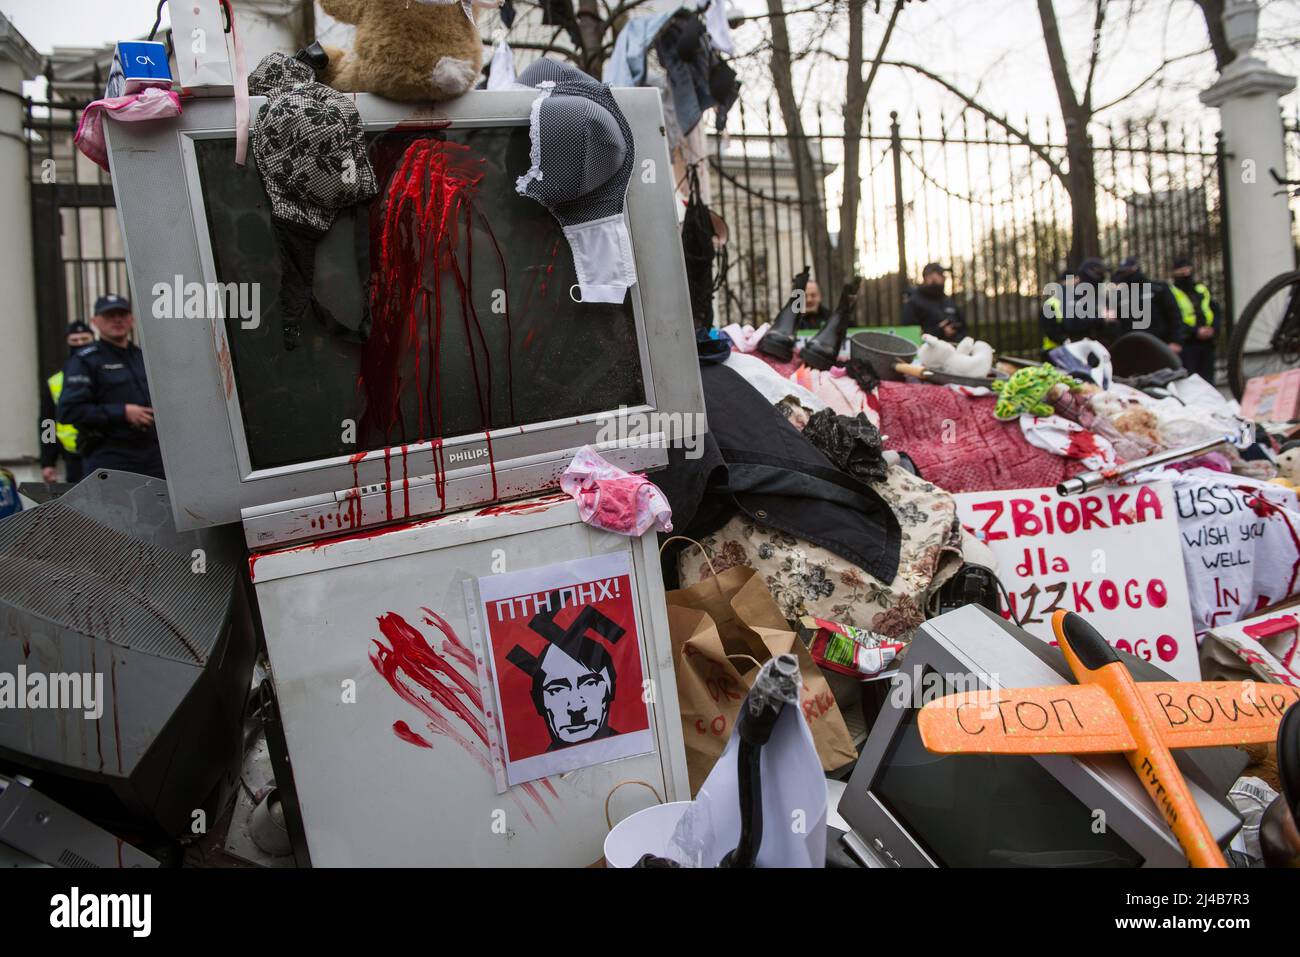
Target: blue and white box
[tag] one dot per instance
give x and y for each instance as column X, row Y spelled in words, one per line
column 144, row 64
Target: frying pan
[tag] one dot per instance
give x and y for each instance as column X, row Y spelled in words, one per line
column 944, row 378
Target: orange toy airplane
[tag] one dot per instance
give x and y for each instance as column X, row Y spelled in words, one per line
column 1107, row 711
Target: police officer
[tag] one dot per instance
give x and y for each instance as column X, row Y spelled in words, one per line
column 1198, row 310
column 930, row 307
column 1147, row 305
column 59, row 439
column 1078, row 311
column 106, row 396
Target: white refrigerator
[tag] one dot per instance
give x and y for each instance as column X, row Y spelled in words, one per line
column 376, row 647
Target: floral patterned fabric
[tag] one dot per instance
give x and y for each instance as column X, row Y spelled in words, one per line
column 807, row 580
column 308, row 144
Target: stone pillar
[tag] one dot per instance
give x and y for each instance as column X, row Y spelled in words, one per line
column 20, row 375
column 1246, row 95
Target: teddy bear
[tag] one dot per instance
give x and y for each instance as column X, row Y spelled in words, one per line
column 407, row 49
column 1140, row 424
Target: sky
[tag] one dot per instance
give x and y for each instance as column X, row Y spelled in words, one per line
column 50, row 23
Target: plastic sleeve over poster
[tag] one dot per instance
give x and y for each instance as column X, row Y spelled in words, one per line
column 564, row 647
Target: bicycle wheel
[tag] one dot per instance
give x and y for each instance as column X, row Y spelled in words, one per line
column 1266, row 338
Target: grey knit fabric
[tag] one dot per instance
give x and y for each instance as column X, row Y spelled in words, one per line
column 586, row 150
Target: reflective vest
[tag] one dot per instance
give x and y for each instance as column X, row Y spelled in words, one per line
column 1051, row 307
column 1188, row 308
column 67, row 434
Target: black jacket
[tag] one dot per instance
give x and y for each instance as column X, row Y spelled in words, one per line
column 1158, row 309
column 929, row 313
column 99, row 381
column 1079, row 314
column 754, row 461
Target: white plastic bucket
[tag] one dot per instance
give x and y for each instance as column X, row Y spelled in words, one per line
column 647, row 831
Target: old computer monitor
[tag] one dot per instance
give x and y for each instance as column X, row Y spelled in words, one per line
column 910, row 808
column 511, row 376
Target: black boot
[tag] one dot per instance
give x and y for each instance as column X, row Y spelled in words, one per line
column 780, row 339
column 823, row 350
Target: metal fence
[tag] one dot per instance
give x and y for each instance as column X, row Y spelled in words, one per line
column 952, row 190
column 959, row 191
column 1291, row 139
column 77, row 242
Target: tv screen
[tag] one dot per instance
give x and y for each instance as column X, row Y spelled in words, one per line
column 449, row 359
column 449, row 305
column 975, row 810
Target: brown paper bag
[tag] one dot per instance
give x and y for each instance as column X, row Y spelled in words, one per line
column 723, row 630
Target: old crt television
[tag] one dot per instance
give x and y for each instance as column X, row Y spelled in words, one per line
column 497, row 377
column 910, row 808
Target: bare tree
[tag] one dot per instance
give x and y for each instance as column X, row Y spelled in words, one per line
column 841, row 262
column 812, row 201
column 855, row 103
column 593, row 27
column 856, row 89
column 1213, row 12
column 598, row 25
column 1078, row 110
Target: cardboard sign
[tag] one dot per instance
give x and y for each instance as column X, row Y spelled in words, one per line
column 565, row 653
column 1272, row 398
column 1112, row 555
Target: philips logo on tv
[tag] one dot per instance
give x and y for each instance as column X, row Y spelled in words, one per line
column 466, row 455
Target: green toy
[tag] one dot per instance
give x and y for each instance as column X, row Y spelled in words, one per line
column 1024, row 393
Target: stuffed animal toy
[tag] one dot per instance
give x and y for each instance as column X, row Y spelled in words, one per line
column 1288, row 465
column 1025, row 393
column 1140, row 424
column 968, row 358
column 979, row 351
column 934, row 353
column 407, row 49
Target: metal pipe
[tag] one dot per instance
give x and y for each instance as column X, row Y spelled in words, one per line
column 1087, row 481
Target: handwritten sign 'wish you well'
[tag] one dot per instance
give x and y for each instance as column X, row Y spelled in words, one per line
column 1113, row 555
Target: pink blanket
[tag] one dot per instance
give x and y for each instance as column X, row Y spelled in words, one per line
column 958, row 445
